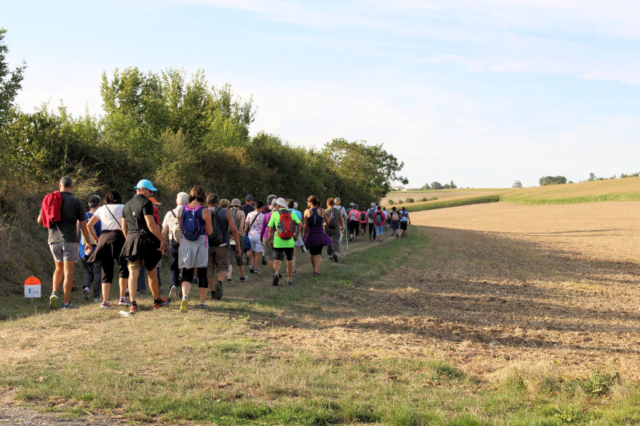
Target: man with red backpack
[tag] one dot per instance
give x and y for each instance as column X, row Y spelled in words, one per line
column 60, row 213
column 284, row 229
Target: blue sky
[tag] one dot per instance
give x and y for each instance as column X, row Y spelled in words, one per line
column 482, row 92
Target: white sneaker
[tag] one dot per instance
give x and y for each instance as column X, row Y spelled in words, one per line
column 173, row 293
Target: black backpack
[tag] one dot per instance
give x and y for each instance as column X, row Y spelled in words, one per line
column 333, row 219
column 217, row 237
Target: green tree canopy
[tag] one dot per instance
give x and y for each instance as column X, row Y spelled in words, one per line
column 10, row 81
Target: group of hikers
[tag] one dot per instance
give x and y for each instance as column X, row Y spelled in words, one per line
column 202, row 236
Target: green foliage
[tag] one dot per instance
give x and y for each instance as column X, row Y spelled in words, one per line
column 179, row 131
column 424, row 199
column 10, row 81
column 390, row 202
column 517, row 184
column 552, row 180
column 399, row 201
column 409, row 200
column 600, row 382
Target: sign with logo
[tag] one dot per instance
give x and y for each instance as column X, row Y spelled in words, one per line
column 32, row 288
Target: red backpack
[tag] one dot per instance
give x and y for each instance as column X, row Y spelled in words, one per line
column 285, row 226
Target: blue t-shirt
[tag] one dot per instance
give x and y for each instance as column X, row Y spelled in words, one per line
column 97, row 227
column 298, row 213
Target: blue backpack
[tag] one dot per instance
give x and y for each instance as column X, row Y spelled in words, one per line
column 404, row 215
column 192, row 223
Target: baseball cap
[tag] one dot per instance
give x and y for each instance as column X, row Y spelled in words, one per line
column 236, row 202
column 281, row 202
column 146, row 184
column 249, row 198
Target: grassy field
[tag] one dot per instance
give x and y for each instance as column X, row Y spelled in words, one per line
column 402, row 333
column 585, row 192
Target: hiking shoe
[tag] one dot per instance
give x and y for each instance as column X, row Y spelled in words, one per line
column 69, row 306
column 96, row 300
column 203, row 306
column 251, row 269
column 276, row 278
column 290, row 282
column 256, row 272
column 86, row 293
column 172, row 293
column 218, row 293
column 183, row 305
column 316, row 274
column 294, row 273
column 105, row 305
column 163, row 301
column 279, row 275
column 133, row 310
column 124, row 301
column 53, row 302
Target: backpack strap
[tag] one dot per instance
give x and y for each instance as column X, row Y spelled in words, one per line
column 114, row 218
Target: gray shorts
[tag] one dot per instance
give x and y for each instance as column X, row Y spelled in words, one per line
column 67, row 252
column 268, row 251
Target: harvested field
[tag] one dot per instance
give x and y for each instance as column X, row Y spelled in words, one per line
column 507, row 283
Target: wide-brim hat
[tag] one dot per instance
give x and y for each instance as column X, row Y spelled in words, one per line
column 236, row 202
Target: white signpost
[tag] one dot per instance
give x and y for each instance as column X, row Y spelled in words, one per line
column 32, row 288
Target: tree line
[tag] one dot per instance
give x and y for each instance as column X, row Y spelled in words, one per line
column 176, row 131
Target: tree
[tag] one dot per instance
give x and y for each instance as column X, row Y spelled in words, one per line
column 552, row 180
column 592, row 177
column 369, row 167
column 453, row 185
column 436, row 185
column 10, row 81
column 517, row 184
column 426, row 187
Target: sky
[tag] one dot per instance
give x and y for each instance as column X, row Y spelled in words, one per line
column 481, row 92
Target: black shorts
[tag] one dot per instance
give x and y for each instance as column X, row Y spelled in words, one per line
column 280, row 253
column 187, row 275
column 315, row 250
column 403, row 226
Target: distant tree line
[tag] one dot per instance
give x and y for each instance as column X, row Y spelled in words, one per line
column 437, row 185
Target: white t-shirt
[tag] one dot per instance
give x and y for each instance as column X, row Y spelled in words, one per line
column 107, row 219
column 171, row 220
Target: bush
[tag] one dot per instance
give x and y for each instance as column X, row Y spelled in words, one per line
column 409, row 200
column 433, row 198
column 424, row 199
column 399, row 201
column 390, row 202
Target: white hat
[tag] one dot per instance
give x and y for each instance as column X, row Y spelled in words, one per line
column 281, row 202
column 373, row 204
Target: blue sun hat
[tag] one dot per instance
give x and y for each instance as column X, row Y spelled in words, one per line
column 145, row 184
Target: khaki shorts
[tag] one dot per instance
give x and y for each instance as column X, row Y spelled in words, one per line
column 67, row 252
column 218, row 259
column 268, row 251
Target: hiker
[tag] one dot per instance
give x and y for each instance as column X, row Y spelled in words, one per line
column 405, row 221
column 60, row 213
column 284, row 229
column 370, row 213
column 143, row 245
column 247, row 208
column 395, row 222
column 386, row 218
column 252, row 229
column 109, row 246
column 193, row 253
column 221, row 222
column 264, row 233
column 142, row 278
column 299, row 242
column 92, row 272
column 171, row 231
column 238, row 217
column 345, row 220
column 363, row 222
column 378, row 222
column 314, row 236
column 354, row 223
column 335, row 224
